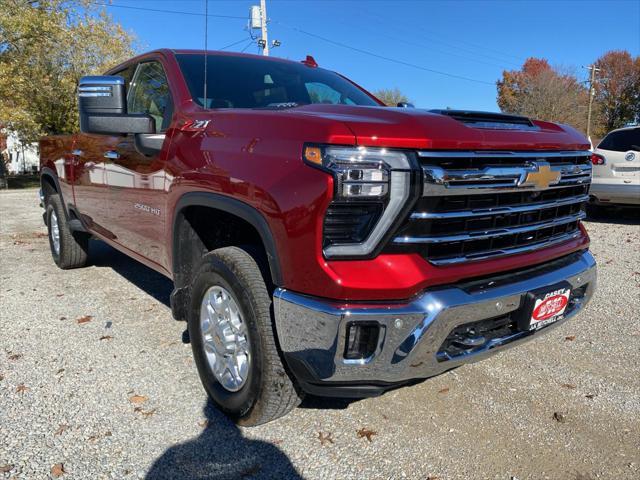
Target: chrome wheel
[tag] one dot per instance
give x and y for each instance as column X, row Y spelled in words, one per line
column 55, row 232
column 225, row 338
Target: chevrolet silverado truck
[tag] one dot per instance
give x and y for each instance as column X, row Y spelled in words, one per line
column 320, row 242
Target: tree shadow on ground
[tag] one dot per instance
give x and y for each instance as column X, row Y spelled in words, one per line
column 221, row 452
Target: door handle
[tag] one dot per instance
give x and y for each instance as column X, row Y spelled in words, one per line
column 112, row 154
column 77, row 153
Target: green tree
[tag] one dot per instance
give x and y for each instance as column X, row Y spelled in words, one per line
column 391, row 96
column 45, row 47
column 542, row 92
column 617, row 90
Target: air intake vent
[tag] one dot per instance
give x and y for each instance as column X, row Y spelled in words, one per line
column 346, row 223
column 489, row 120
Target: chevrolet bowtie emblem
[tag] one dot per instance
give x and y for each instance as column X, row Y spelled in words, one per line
column 541, row 176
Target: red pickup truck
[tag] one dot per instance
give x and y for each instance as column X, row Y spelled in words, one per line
column 320, row 242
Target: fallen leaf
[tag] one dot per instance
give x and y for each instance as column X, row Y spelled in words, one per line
column 61, row 429
column 59, row 295
column 570, row 386
column 5, row 468
column 63, row 318
column 60, row 371
column 590, row 396
column 364, row 432
column 15, row 356
column 84, row 319
column 443, row 390
column 21, row 388
column 325, row 438
column 108, row 433
column 559, row 417
column 106, row 337
column 146, row 414
column 138, row 399
column 570, row 338
column 57, row 470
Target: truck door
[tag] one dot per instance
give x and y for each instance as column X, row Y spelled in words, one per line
column 136, row 176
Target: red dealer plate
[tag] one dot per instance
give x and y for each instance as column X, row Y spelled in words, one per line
column 549, row 308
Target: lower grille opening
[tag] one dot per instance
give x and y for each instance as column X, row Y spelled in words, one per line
column 475, row 337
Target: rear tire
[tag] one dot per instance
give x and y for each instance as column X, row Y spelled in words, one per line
column 69, row 249
column 245, row 341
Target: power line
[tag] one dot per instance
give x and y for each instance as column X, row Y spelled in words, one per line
column 159, row 10
column 382, row 57
column 313, row 35
column 235, row 43
column 432, row 38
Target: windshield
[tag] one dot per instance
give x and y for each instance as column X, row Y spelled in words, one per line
column 247, row 82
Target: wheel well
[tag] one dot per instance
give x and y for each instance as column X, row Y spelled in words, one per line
column 200, row 229
column 48, row 186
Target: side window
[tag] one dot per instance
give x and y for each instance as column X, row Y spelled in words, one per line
column 322, row 93
column 127, row 74
column 150, row 94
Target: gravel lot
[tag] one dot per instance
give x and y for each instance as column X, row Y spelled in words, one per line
column 117, row 395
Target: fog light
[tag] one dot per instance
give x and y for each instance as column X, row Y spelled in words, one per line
column 362, row 340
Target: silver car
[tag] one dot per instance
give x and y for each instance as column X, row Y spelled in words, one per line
column 616, row 168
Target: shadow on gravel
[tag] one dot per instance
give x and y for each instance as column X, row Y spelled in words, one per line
column 221, row 452
column 143, row 277
column 619, row 215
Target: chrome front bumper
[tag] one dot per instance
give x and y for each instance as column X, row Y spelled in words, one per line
column 312, row 331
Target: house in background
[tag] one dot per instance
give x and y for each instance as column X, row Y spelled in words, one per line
column 19, row 157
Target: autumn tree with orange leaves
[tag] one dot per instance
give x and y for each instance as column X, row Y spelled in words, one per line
column 542, row 92
column 617, row 90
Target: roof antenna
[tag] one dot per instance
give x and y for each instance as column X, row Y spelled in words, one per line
column 206, row 19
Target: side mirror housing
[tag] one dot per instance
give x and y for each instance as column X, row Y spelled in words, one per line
column 102, row 104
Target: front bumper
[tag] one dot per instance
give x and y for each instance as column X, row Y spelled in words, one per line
column 624, row 191
column 312, row 331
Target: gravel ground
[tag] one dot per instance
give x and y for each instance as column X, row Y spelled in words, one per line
column 117, row 396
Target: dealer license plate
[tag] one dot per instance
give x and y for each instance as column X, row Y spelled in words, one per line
column 549, row 308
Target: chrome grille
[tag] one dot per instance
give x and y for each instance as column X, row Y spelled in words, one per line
column 477, row 205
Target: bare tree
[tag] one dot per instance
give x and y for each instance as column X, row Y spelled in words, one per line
column 391, row 96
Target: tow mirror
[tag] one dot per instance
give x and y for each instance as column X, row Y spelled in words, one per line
column 102, row 104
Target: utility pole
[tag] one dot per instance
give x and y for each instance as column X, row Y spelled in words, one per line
column 592, row 92
column 264, row 41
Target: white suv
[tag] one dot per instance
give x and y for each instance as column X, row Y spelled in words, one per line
column 616, row 168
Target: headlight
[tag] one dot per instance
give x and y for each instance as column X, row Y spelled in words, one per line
column 372, row 186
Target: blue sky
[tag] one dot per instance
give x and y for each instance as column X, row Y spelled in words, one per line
column 472, row 39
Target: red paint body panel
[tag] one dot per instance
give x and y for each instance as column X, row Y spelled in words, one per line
column 255, row 156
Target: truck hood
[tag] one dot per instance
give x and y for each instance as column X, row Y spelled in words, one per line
column 422, row 129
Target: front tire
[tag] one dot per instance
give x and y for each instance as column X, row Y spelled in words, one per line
column 68, row 249
column 233, row 340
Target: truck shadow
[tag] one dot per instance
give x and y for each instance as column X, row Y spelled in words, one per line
column 221, row 452
column 618, row 215
column 143, row 277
